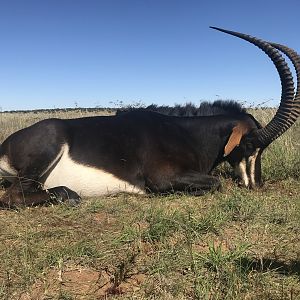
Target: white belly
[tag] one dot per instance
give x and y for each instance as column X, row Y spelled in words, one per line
column 85, row 180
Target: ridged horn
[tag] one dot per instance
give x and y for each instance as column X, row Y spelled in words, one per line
column 282, row 119
column 295, row 59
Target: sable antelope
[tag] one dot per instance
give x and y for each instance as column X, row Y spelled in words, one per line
column 139, row 151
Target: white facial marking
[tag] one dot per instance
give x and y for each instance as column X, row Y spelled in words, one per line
column 6, row 170
column 251, row 162
column 241, row 171
column 85, row 180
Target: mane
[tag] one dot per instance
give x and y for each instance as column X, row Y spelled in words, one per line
column 218, row 107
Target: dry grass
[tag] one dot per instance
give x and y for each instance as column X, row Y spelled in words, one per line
column 237, row 244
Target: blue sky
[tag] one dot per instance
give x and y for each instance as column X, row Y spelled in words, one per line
column 90, row 53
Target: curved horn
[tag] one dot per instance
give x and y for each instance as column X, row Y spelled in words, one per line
column 295, row 59
column 281, row 121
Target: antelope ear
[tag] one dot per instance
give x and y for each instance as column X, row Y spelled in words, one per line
column 235, row 138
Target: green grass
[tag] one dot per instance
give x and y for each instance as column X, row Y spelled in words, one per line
column 234, row 244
